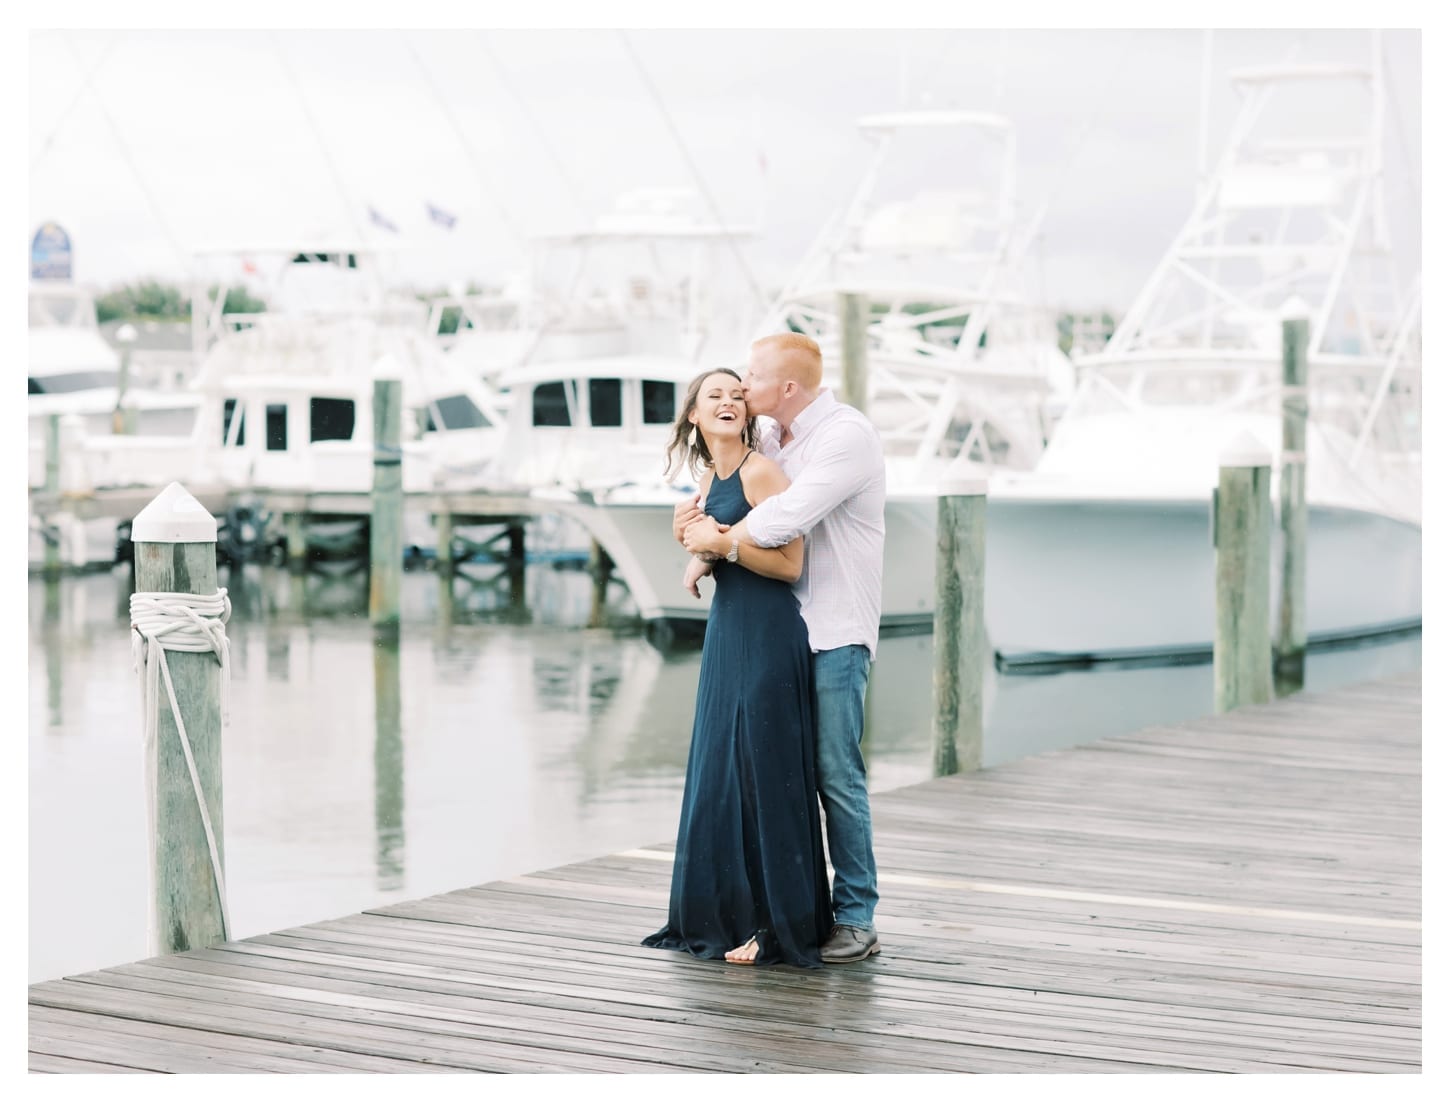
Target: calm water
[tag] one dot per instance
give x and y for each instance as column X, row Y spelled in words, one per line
column 497, row 738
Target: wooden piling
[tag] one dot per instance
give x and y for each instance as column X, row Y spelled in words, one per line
column 443, row 528
column 854, row 309
column 600, row 568
column 1293, row 635
column 517, row 572
column 959, row 635
column 386, row 530
column 123, row 417
column 296, row 525
column 175, row 541
column 1242, row 518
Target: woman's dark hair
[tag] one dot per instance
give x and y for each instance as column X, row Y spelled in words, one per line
column 690, row 449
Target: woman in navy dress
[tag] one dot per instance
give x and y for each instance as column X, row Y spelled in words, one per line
column 749, row 883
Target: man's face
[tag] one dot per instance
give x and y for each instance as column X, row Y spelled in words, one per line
column 762, row 382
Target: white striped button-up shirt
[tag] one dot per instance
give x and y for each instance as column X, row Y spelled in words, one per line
column 837, row 500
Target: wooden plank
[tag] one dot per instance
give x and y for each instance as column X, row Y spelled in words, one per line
column 1237, row 894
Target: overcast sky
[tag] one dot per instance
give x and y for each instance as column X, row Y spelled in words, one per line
column 144, row 143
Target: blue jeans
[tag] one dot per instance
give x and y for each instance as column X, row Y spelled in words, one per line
column 841, row 778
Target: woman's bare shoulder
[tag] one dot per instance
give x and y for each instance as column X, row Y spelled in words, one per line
column 761, row 477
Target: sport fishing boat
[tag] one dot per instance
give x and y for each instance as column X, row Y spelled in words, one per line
column 1102, row 548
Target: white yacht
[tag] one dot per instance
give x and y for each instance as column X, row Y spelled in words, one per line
column 964, row 362
column 1103, row 548
column 74, row 371
column 614, row 323
column 285, row 397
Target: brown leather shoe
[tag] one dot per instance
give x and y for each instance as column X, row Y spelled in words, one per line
column 849, row 943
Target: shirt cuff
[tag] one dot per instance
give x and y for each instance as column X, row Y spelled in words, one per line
column 757, row 523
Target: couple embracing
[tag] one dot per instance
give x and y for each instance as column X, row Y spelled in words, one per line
column 790, row 520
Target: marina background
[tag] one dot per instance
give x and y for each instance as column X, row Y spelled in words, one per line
column 523, row 739
column 205, row 137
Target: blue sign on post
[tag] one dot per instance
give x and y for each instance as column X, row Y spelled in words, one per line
column 50, row 253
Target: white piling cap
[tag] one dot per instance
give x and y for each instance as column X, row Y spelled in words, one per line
column 387, row 367
column 173, row 516
column 1246, row 451
column 962, row 487
column 1295, row 309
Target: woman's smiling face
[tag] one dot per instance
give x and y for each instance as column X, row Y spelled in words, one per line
column 720, row 407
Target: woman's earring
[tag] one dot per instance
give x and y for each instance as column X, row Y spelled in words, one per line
column 692, row 436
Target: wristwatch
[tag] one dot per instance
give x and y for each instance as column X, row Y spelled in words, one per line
column 734, row 555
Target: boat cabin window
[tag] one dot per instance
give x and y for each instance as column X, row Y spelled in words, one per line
column 457, row 412
column 606, row 403
column 276, row 428
column 72, row 381
column 333, row 418
column 229, row 407
column 551, row 407
column 659, row 402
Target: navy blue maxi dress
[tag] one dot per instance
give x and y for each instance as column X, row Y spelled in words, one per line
column 748, row 856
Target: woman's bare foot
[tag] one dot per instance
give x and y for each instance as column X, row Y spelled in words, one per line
column 745, row 954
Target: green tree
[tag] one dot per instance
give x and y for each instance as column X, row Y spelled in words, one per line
column 153, row 299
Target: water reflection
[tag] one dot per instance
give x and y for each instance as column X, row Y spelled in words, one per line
column 531, row 741
column 388, row 763
column 50, row 640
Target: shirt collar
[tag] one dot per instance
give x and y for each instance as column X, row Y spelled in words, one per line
column 808, row 418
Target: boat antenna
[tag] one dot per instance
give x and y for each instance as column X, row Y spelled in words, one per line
column 1205, row 91
column 522, row 102
column 1411, row 176
column 347, row 204
column 60, row 121
column 131, row 162
column 503, row 212
column 760, row 298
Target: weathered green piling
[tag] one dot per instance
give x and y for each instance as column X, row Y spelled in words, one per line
column 855, row 312
column 386, row 531
column 601, row 566
column 1292, row 636
column 1242, row 520
column 296, row 530
column 443, row 529
column 175, row 542
column 959, row 635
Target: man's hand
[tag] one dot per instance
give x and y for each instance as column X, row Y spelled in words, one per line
column 704, row 535
column 697, row 569
column 685, row 512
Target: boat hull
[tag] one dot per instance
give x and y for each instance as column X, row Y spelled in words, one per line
column 1072, row 579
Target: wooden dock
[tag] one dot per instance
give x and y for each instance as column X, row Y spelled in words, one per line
column 1239, row 893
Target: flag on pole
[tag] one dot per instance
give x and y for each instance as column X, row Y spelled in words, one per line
column 442, row 217
column 378, row 220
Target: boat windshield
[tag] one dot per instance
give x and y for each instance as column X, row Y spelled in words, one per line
column 457, row 412
column 71, row 381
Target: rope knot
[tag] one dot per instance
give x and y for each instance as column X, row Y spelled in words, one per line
column 194, row 623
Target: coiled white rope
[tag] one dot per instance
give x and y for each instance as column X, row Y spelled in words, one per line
column 182, row 622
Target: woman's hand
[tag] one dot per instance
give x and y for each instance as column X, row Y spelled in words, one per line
column 696, row 570
column 702, row 536
column 686, row 512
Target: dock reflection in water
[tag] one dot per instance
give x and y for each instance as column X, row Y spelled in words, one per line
column 500, row 737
